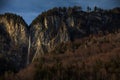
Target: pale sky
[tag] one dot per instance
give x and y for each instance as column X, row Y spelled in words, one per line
column 29, row 9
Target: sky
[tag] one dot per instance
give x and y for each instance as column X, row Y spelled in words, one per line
column 30, row 9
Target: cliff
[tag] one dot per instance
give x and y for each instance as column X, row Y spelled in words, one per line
column 60, row 25
column 13, row 42
column 20, row 44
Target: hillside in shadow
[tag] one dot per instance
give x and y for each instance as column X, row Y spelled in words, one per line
column 61, row 44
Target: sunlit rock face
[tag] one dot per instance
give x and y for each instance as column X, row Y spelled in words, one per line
column 47, row 34
column 16, row 27
column 52, row 28
column 13, row 41
column 60, row 25
column 50, row 31
column 21, row 44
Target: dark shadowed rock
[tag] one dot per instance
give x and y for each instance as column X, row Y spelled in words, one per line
column 60, row 25
column 20, row 44
column 13, row 42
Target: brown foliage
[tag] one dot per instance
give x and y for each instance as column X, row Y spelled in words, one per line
column 94, row 58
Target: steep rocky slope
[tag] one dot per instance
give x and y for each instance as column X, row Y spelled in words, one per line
column 60, row 25
column 91, row 58
column 20, row 44
column 13, row 42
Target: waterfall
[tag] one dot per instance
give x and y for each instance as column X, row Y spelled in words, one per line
column 29, row 45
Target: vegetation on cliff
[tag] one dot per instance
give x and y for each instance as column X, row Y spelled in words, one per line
column 77, row 45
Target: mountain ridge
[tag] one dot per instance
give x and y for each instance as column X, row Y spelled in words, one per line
column 50, row 29
column 60, row 25
column 13, row 43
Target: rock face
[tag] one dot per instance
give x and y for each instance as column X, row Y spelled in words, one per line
column 60, row 25
column 20, row 44
column 46, row 35
column 13, row 41
column 16, row 27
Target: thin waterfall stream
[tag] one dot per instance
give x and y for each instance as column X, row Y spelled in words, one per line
column 29, row 45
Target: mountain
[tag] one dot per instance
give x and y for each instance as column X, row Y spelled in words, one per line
column 60, row 25
column 78, row 46
column 13, row 42
column 55, row 32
